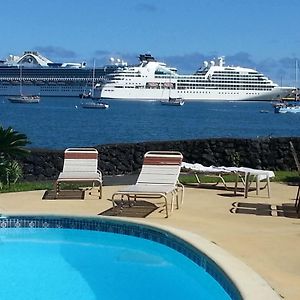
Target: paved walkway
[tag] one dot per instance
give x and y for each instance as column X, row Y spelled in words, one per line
column 263, row 233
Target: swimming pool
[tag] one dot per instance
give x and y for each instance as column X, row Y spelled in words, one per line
column 98, row 258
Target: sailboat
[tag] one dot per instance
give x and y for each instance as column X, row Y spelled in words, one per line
column 95, row 104
column 173, row 101
column 91, row 93
column 177, row 101
column 93, row 100
column 26, row 99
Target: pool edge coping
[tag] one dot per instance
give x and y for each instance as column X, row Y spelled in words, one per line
column 256, row 287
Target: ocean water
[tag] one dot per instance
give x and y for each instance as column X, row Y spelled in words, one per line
column 58, row 123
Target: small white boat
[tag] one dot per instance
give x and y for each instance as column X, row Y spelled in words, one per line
column 24, row 99
column 94, row 104
column 283, row 108
column 173, row 102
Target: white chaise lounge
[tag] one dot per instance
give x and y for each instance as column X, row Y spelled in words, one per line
column 211, row 171
column 247, row 175
column 80, row 165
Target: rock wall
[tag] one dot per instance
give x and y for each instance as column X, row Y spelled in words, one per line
column 266, row 153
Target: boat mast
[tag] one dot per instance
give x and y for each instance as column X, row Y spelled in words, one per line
column 21, row 78
column 93, row 80
column 170, row 87
column 296, row 79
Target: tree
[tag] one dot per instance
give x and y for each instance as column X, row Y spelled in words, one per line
column 12, row 145
column 10, row 172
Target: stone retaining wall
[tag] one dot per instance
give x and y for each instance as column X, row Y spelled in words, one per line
column 266, row 153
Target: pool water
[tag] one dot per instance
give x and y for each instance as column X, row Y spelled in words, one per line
column 74, row 264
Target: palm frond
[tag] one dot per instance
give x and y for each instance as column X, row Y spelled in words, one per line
column 12, row 143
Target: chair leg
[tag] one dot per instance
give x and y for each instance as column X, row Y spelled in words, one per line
column 247, row 178
column 298, row 207
column 268, row 186
column 56, row 189
column 181, row 187
column 172, row 201
column 236, row 183
column 166, row 202
column 257, row 185
column 197, row 178
column 297, row 200
column 100, row 190
column 177, row 199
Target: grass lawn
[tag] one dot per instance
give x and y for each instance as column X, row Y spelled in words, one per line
column 281, row 176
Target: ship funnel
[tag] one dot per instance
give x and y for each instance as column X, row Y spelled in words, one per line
column 221, row 61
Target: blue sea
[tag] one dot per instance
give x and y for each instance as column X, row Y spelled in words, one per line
column 58, row 123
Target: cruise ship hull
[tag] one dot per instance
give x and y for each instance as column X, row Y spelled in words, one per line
column 47, row 89
column 195, row 95
column 40, row 76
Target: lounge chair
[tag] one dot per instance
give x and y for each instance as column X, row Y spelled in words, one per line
column 211, row 171
column 247, row 175
column 81, row 166
column 158, row 178
column 297, row 199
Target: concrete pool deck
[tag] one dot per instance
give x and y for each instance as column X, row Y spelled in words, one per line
column 262, row 232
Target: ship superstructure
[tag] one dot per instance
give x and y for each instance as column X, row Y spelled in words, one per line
column 153, row 80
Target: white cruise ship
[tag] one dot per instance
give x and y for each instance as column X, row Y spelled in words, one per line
column 41, row 76
column 153, row 80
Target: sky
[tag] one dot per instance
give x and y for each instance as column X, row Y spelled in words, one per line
column 261, row 34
